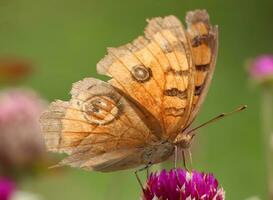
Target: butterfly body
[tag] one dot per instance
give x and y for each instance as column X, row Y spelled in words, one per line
column 158, row 83
column 157, row 152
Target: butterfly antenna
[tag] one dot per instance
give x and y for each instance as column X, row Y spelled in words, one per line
column 216, row 119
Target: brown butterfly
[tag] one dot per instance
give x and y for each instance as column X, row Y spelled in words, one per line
column 139, row 117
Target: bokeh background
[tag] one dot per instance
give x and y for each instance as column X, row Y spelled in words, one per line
column 65, row 39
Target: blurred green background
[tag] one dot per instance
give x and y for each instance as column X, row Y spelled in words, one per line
column 65, row 39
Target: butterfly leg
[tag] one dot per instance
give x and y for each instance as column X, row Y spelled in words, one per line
column 175, row 163
column 140, row 170
column 190, row 155
column 147, row 172
column 138, row 179
column 175, row 156
column 184, row 160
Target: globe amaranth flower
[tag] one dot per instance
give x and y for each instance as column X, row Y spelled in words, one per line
column 7, row 188
column 261, row 69
column 180, row 184
column 21, row 141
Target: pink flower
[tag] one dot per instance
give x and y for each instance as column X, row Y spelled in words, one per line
column 20, row 135
column 179, row 184
column 7, row 188
column 261, row 68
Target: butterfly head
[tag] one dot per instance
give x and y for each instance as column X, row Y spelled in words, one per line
column 183, row 141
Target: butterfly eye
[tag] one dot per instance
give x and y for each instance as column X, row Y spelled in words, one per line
column 100, row 110
column 141, row 73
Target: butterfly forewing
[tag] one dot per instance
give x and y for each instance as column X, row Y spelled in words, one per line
column 156, row 71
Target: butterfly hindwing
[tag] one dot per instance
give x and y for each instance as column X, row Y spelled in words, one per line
column 95, row 122
column 204, row 41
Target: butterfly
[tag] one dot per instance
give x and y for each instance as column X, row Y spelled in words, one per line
column 158, row 83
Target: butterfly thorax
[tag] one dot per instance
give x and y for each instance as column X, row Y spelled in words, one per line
column 157, row 152
column 183, row 141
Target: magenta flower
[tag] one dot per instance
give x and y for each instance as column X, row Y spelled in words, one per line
column 7, row 188
column 20, row 136
column 261, row 68
column 180, row 184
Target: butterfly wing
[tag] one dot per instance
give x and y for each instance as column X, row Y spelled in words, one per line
column 95, row 127
column 204, row 41
column 156, row 71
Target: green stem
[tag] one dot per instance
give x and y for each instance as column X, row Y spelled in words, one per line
column 267, row 120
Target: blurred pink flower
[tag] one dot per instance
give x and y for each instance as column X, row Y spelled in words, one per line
column 261, row 68
column 7, row 188
column 20, row 135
